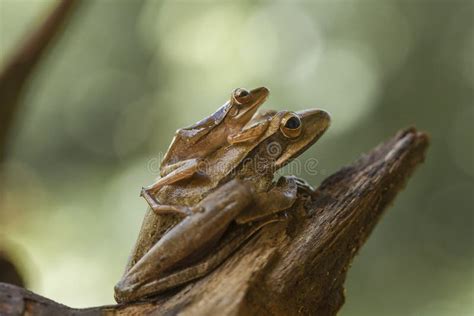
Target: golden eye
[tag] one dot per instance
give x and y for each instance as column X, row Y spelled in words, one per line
column 291, row 125
column 240, row 95
column 293, row 122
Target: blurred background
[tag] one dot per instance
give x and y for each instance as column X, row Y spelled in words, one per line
column 107, row 98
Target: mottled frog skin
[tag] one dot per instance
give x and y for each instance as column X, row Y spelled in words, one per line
column 234, row 184
column 210, row 134
column 191, row 146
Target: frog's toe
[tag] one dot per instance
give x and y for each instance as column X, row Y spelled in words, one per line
column 121, row 294
column 124, row 289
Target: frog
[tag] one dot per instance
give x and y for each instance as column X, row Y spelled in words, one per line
column 223, row 128
column 192, row 144
column 238, row 188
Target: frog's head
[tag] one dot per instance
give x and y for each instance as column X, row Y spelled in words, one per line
column 297, row 131
column 285, row 136
column 242, row 106
column 234, row 114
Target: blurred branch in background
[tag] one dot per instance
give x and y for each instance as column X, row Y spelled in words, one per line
column 9, row 273
column 13, row 78
column 20, row 67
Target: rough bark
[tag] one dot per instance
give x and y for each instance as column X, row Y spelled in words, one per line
column 297, row 266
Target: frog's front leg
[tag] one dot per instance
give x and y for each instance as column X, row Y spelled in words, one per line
column 193, row 234
column 185, row 170
column 181, row 166
column 249, row 134
column 279, row 198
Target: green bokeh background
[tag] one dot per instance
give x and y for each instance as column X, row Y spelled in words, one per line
column 125, row 75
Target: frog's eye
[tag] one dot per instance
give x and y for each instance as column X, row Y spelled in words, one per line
column 291, row 125
column 240, row 95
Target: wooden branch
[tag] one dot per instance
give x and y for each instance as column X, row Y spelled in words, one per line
column 297, row 266
column 19, row 68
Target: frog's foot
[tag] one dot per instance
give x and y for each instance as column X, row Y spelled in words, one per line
column 279, row 198
column 164, row 209
column 303, row 186
column 124, row 290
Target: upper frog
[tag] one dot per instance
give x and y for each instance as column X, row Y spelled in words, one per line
column 192, row 145
column 211, row 133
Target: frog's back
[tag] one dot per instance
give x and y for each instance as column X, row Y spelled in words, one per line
column 185, row 138
column 218, row 168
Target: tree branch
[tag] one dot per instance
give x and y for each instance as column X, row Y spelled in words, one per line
column 19, row 68
column 298, row 266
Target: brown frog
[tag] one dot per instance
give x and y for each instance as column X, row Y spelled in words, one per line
column 236, row 185
column 194, row 143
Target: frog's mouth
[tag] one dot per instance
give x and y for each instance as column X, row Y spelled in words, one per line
column 258, row 97
column 314, row 123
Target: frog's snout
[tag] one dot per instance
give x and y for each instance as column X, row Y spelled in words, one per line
column 259, row 95
column 260, row 92
column 316, row 121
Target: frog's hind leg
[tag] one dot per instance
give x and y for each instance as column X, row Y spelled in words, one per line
column 226, row 248
column 187, row 238
column 279, row 198
column 186, row 170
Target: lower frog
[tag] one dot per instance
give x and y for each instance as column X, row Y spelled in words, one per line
column 242, row 194
column 172, row 200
